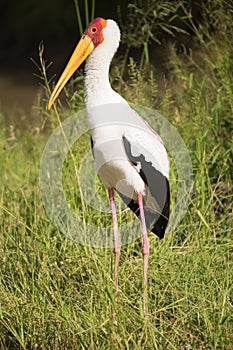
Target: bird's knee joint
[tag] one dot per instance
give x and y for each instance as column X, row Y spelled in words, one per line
column 145, row 250
column 117, row 250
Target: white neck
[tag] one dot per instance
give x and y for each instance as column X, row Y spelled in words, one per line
column 96, row 77
column 98, row 90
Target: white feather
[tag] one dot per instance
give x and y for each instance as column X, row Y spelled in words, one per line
column 110, row 118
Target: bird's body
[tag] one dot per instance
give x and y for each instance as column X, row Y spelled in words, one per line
column 111, row 120
column 130, row 157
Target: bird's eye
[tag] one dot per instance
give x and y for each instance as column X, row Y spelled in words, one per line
column 93, row 30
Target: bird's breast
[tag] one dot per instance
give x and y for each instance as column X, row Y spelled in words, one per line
column 114, row 167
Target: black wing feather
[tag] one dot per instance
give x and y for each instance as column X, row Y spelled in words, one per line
column 157, row 188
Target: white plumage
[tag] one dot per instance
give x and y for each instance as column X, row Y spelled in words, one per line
column 110, row 118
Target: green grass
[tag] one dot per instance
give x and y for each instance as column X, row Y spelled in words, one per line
column 58, row 294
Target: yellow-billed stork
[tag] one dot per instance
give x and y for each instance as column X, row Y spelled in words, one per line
column 130, row 157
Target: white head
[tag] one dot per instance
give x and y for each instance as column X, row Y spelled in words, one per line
column 106, row 42
column 111, row 37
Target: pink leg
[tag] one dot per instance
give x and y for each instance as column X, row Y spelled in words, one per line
column 145, row 250
column 117, row 240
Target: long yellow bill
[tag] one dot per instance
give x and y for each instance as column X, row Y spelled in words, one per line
column 82, row 50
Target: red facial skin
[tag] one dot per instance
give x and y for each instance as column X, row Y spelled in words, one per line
column 95, row 30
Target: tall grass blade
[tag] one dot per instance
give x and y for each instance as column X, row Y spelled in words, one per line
column 92, row 10
column 77, row 9
column 86, row 12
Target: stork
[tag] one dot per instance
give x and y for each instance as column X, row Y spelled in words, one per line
column 129, row 155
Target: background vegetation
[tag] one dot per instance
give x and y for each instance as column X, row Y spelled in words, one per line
column 56, row 294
